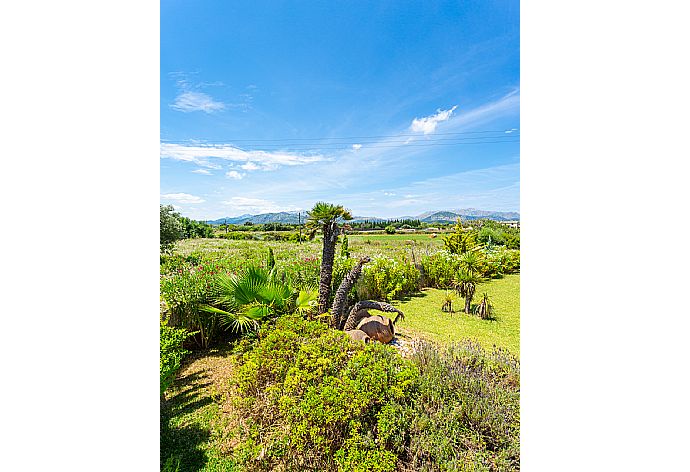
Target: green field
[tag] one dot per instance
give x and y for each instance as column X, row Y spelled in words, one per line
column 424, row 318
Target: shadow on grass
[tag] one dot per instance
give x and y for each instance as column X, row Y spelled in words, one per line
column 179, row 446
column 408, row 297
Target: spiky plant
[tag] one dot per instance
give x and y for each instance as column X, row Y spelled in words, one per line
column 485, row 309
column 244, row 300
column 325, row 216
column 466, row 285
column 447, row 302
column 470, row 262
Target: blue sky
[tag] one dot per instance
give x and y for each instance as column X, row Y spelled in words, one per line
column 389, row 108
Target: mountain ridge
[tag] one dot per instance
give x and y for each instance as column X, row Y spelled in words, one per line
column 433, row 216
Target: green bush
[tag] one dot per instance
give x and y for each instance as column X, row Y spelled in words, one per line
column 440, row 269
column 184, row 294
column 385, row 278
column 308, row 398
column 171, row 353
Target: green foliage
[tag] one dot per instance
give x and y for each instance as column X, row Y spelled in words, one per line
column 270, row 259
column 307, row 398
column 184, row 293
column 344, row 250
column 385, row 278
column 245, row 299
column 171, row 340
column 461, row 240
column 171, row 228
column 390, row 229
column 323, row 214
column 314, row 395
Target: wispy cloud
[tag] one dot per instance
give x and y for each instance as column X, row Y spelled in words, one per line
column 233, row 174
column 202, row 171
column 261, row 159
column 182, row 198
column 196, row 101
column 250, row 166
column 428, row 124
column 255, row 205
column 356, row 147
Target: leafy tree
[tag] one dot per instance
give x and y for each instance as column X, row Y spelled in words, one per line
column 461, row 240
column 390, row 229
column 325, row 216
column 171, row 228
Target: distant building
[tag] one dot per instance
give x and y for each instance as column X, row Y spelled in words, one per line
column 512, row 224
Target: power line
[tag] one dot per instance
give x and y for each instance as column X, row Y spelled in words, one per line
column 326, row 138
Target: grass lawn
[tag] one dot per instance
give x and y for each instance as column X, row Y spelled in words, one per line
column 424, row 318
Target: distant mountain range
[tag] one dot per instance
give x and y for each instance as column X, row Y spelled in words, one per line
column 291, row 217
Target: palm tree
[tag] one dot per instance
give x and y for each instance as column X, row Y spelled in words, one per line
column 325, row 216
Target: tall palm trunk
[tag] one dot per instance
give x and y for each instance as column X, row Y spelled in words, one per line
column 340, row 299
column 330, row 237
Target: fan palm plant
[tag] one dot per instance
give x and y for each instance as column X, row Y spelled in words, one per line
column 470, row 262
column 325, row 216
column 247, row 298
column 466, row 284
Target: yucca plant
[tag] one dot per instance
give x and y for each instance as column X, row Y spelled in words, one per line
column 244, row 300
column 447, row 302
column 485, row 309
column 466, row 285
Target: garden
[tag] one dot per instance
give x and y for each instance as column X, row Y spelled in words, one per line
column 339, row 351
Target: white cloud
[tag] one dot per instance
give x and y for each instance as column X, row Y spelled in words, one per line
column 182, row 198
column 201, row 171
column 255, row 205
column 262, row 159
column 196, row 101
column 250, row 166
column 512, row 130
column 356, row 147
column 428, row 124
column 233, row 174
column 389, row 194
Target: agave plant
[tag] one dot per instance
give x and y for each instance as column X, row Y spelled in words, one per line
column 466, row 285
column 248, row 298
column 485, row 309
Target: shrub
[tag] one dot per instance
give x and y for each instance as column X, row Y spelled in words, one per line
column 309, row 398
column 171, row 353
column 390, row 229
column 440, row 269
column 385, row 278
column 184, row 294
column 463, row 412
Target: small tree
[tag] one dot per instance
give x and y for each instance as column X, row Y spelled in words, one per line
column 390, row 229
column 171, row 228
column 461, row 240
